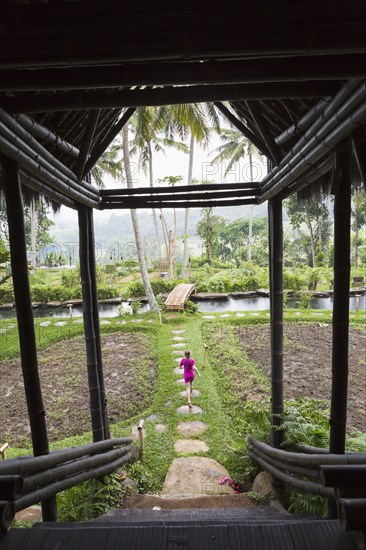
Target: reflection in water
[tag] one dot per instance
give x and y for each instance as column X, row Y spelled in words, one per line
column 260, row 303
column 252, row 303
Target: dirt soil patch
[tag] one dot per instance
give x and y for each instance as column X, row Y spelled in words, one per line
column 308, row 363
column 137, row 500
column 129, row 375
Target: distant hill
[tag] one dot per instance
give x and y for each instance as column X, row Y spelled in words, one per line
column 114, row 231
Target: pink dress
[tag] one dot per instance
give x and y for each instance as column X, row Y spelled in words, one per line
column 188, row 365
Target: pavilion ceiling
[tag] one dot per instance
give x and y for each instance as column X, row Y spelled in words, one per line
column 73, row 72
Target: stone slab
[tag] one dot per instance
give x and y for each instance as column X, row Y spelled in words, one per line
column 184, row 409
column 194, row 427
column 180, row 381
column 189, row 446
column 178, row 370
column 160, row 428
column 178, row 338
column 195, row 476
column 178, row 331
column 181, row 345
column 195, row 393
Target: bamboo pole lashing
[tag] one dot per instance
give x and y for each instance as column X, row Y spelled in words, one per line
column 31, row 465
column 28, row 164
column 351, row 94
column 37, row 151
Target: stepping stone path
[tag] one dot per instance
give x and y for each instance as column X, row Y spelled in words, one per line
column 184, row 409
column 195, row 393
column 188, row 446
column 193, row 476
column 160, row 428
column 194, row 427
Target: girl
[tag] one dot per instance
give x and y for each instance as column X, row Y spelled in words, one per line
column 189, row 366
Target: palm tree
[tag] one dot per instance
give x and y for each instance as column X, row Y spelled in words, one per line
column 108, row 163
column 135, row 224
column 196, row 122
column 147, row 126
column 236, row 146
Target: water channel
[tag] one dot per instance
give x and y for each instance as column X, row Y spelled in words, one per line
column 248, row 303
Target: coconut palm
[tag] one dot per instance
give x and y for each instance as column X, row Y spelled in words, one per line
column 235, row 147
column 135, row 224
column 147, row 126
column 194, row 121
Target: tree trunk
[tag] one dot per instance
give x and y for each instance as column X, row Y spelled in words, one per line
column 155, row 217
column 33, row 218
column 183, row 272
column 136, row 228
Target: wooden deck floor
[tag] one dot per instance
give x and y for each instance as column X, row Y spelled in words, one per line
column 293, row 535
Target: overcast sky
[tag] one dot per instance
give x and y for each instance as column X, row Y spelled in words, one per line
column 174, row 163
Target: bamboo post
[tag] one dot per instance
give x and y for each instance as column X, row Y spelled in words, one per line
column 205, row 348
column 94, row 290
column 276, row 293
column 23, row 302
column 141, row 435
column 342, row 268
column 3, row 450
column 89, row 332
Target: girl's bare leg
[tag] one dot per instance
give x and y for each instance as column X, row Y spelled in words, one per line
column 188, row 386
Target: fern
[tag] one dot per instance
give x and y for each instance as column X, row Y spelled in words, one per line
column 259, row 499
column 304, row 503
column 305, row 421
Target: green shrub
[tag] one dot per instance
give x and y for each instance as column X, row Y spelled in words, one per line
column 105, row 292
column 292, row 282
column 91, row 499
column 136, row 288
column 6, row 293
column 70, row 277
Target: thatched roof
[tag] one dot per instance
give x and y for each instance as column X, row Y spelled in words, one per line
column 72, row 73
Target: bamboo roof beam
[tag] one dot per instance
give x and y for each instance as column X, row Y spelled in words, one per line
column 20, row 137
column 177, row 35
column 100, row 147
column 351, row 95
column 183, row 196
column 48, row 192
column 263, row 129
column 175, row 190
column 309, row 177
column 176, row 204
column 306, row 158
column 85, row 145
column 164, row 96
column 45, row 134
column 246, row 71
column 304, row 122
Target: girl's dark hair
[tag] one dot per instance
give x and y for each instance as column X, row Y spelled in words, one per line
column 187, row 353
